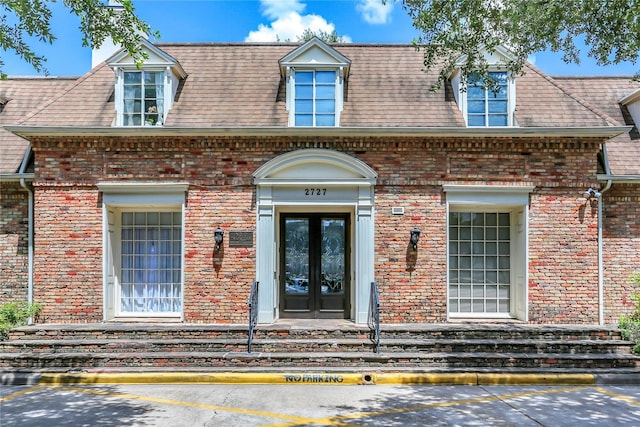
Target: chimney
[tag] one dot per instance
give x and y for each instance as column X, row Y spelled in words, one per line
column 108, row 48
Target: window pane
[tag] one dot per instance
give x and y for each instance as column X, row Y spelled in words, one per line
column 497, row 106
column 498, row 120
column 305, row 106
column 476, row 107
column 304, row 77
column 325, row 120
column 476, row 121
column 475, row 92
column 304, row 120
column 327, row 106
column 304, row 92
column 499, row 76
column 325, row 76
column 132, row 92
column 325, row 92
column 132, row 77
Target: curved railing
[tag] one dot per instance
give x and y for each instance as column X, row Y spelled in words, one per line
column 374, row 315
column 253, row 313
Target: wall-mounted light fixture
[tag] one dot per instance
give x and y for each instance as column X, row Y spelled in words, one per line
column 415, row 236
column 218, row 236
column 592, row 193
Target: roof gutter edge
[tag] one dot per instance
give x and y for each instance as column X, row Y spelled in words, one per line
column 27, row 132
column 9, row 177
column 620, row 179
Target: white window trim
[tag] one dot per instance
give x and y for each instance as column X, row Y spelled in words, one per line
column 291, row 96
column 170, row 89
column 461, row 97
column 497, row 198
column 125, row 196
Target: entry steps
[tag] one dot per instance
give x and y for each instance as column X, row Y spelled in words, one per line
column 318, row 344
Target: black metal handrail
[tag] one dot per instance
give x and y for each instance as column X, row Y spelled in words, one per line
column 374, row 315
column 253, row 313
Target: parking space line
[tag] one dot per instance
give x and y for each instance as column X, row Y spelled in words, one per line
column 296, row 420
column 355, row 416
column 20, row 393
column 618, row 396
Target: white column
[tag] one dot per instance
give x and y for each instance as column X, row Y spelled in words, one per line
column 365, row 252
column 265, row 259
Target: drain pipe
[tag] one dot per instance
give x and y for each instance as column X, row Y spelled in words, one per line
column 24, row 185
column 600, row 242
column 600, row 256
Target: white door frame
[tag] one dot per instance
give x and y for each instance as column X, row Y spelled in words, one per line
column 314, row 178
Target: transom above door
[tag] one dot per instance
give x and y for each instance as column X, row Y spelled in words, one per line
column 314, row 265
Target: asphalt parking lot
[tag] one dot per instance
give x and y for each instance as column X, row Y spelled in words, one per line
column 317, row 405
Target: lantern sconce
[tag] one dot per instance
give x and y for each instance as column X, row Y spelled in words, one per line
column 415, row 236
column 218, row 236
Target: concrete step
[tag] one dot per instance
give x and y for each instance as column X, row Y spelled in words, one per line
column 69, row 361
column 392, row 345
column 317, row 330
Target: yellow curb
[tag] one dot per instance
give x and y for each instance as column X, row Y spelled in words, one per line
column 204, row 378
column 318, row 378
column 536, row 379
column 425, row 378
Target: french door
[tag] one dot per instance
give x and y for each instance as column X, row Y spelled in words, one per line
column 314, row 265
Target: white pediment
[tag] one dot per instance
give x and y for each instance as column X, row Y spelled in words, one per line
column 156, row 58
column 315, row 52
column 315, row 164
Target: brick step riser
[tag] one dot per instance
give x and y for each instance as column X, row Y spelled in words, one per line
column 437, row 362
column 279, row 335
column 435, row 347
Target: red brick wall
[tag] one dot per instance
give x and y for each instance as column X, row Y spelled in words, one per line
column 563, row 247
column 621, row 234
column 14, row 246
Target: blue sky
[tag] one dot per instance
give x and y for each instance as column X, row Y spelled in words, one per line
column 359, row 21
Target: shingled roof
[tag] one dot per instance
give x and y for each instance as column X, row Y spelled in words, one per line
column 240, row 85
column 20, row 95
column 623, row 151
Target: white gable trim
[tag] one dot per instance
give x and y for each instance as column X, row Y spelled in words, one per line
column 328, row 165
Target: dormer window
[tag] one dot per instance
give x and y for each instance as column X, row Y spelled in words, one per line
column 144, row 93
column 315, row 98
column 315, row 74
column 488, row 105
column 491, row 103
column 143, row 97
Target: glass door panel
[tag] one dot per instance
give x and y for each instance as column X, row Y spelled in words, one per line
column 314, row 265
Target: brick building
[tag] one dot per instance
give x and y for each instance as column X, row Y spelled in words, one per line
column 161, row 193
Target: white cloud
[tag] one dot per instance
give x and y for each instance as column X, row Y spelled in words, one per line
column 532, row 59
column 374, row 11
column 275, row 9
column 287, row 22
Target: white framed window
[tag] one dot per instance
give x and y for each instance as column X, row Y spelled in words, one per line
column 315, row 97
column 143, row 98
column 488, row 105
column 143, row 241
column 487, row 251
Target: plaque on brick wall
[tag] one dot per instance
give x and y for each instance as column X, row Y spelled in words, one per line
column 240, row 238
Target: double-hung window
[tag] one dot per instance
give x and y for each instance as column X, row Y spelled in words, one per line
column 315, row 98
column 143, row 96
column 488, row 104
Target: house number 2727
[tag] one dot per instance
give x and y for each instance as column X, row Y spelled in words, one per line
column 315, row 191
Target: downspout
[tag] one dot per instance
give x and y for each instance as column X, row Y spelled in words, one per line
column 600, row 243
column 24, row 185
